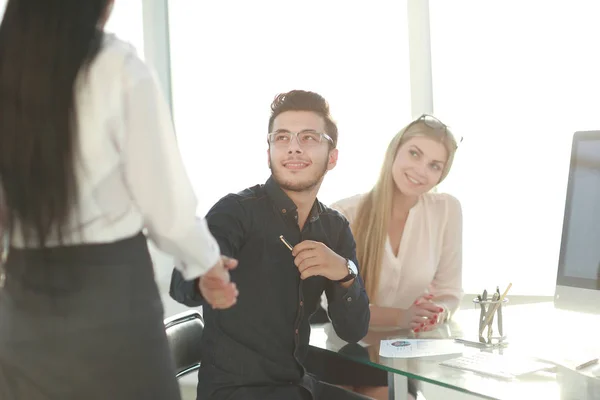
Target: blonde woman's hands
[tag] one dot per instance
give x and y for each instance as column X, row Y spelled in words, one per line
column 424, row 315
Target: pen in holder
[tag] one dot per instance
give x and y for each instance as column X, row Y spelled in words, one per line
column 491, row 311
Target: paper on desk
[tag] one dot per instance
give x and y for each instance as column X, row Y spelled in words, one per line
column 582, row 362
column 409, row 348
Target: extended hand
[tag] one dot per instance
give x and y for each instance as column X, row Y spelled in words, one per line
column 314, row 258
column 216, row 286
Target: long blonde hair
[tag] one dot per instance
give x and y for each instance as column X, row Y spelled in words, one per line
column 371, row 224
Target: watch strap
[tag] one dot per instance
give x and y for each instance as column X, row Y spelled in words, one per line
column 351, row 275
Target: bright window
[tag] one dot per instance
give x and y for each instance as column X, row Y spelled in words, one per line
column 230, row 59
column 126, row 21
column 517, row 79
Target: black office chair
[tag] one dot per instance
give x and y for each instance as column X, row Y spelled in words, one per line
column 183, row 333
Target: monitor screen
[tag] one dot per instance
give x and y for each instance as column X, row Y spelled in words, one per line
column 579, row 264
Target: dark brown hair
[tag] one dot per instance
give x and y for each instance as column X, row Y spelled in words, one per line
column 300, row 100
column 43, row 46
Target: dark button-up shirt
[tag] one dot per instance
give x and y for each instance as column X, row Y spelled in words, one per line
column 263, row 339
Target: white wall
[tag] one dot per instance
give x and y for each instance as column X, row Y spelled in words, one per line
column 516, row 79
column 227, row 68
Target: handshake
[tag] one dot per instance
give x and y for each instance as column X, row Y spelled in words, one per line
column 216, row 286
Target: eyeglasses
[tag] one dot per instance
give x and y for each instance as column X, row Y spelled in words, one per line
column 306, row 138
column 437, row 125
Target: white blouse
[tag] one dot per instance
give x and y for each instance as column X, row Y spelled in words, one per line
column 430, row 253
column 130, row 175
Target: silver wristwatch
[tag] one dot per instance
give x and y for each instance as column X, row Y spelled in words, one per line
column 352, row 272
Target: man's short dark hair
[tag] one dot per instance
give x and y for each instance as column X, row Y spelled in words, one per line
column 301, row 100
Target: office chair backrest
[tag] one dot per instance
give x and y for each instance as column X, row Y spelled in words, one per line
column 183, row 333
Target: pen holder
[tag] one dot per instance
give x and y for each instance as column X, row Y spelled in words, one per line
column 491, row 313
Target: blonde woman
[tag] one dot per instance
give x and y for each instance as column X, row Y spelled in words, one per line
column 408, row 242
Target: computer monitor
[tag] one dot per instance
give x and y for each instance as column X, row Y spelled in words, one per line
column 578, row 280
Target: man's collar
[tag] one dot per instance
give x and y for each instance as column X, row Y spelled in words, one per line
column 285, row 205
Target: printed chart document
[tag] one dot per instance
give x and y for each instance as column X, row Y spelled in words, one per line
column 409, row 348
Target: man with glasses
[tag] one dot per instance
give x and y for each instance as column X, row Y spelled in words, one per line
column 291, row 248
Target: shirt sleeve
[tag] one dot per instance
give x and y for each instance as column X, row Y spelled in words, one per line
column 185, row 292
column 229, row 224
column 158, row 182
column 448, row 278
column 348, row 308
column 344, row 207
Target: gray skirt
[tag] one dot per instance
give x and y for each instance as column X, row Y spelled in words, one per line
column 84, row 322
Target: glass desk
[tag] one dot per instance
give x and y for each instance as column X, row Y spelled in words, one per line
column 537, row 330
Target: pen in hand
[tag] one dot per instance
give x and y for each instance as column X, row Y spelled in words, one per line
column 287, row 244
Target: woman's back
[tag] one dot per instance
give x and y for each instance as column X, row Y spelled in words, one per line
column 104, row 211
column 43, row 47
column 88, row 164
column 128, row 173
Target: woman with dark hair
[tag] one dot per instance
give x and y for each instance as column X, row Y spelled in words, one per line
column 88, row 161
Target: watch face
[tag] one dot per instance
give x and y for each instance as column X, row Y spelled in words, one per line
column 352, row 267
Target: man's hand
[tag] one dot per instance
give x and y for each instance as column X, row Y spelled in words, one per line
column 423, row 315
column 314, row 258
column 216, row 287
